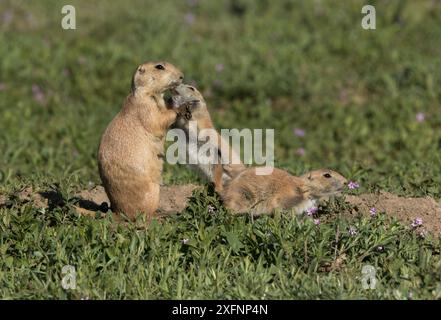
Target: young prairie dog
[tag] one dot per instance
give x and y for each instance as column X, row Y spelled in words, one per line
column 262, row 194
column 219, row 174
column 131, row 148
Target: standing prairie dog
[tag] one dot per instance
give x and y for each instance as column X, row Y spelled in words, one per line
column 262, row 194
column 218, row 174
column 131, row 148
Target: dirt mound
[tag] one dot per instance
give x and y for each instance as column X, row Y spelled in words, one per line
column 39, row 199
column 174, row 199
column 406, row 209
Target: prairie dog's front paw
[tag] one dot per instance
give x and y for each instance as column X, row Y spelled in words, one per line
column 186, row 108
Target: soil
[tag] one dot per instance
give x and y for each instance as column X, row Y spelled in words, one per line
column 403, row 208
column 174, row 200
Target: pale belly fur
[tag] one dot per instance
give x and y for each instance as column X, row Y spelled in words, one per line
column 305, row 205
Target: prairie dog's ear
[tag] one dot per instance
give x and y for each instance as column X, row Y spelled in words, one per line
column 141, row 69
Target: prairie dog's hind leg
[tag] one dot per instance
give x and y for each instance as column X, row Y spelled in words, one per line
column 151, row 200
column 237, row 200
column 140, row 198
column 234, row 205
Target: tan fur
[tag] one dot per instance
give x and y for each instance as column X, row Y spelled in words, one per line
column 218, row 174
column 262, row 194
column 131, row 148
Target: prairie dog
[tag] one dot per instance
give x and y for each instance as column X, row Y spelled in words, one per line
column 131, row 148
column 262, row 194
column 219, row 174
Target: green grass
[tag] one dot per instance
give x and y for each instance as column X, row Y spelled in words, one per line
column 287, row 64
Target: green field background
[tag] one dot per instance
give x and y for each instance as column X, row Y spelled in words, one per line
column 360, row 96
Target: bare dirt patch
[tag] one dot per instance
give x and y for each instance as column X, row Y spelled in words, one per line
column 44, row 199
column 174, row 199
column 405, row 209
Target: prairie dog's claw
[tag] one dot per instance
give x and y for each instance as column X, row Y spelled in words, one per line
column 187, row 115
column 191, row 104
column 187, row 107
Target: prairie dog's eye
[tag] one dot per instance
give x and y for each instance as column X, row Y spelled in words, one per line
column 159, row 67
column 327, row 175
column 191, row 88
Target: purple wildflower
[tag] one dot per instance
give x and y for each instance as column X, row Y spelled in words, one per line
column 420, row 117
column 344, row 94
column 352, row 231
column 82, row 60
column 373, row 212
column 219, row 67
column 417, row 222
column 300, row 152
column 316, row 222
column 299, row 132
column 7, row 17
column 311, row 211
column 189, row 18
column 38, row 94
column 353, row 185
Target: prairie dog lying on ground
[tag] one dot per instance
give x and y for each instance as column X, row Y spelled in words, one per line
column 218, row 174
column 262, row 194
column 131, row 148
